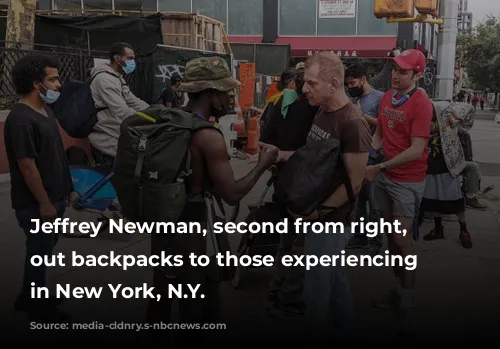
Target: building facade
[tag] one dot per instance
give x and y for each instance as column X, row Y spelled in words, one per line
column 464, row 18
column 348, row 28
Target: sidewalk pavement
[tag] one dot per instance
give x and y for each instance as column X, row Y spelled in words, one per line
column 456, row 295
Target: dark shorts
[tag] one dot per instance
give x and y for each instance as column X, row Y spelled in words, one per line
column 400, row 199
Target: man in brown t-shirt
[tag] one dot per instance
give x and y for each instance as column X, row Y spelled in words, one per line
column 346, row 124
column 326, row 289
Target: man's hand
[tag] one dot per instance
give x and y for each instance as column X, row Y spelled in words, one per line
column 255, row 157
column 71, row 198
column 48, row 212
column 268, row 155
column 372, row 172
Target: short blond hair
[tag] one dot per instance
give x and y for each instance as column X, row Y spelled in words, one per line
column 330, row 66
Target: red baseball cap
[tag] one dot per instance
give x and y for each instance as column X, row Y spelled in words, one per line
column 411, row 60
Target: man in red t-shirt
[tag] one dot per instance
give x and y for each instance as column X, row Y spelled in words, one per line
column 403, row 129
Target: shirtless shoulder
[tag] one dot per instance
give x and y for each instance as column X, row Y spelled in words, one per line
column 208, row 141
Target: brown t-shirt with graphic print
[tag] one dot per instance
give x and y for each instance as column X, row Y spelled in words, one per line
column 348, row 125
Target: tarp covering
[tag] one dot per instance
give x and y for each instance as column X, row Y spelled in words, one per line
column 149, row 24
column 99, row 33
column 154, row 70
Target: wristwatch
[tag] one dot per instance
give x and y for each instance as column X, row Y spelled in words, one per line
column 383, row 168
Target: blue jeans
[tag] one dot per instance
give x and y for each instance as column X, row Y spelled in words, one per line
column 327, row 294
column 40, row 244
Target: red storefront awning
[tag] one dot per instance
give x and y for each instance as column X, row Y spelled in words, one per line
column 345, row 46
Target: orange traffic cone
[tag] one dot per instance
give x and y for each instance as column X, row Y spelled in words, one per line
column 253, row 136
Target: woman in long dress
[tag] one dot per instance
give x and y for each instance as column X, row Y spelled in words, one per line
column 443, row 193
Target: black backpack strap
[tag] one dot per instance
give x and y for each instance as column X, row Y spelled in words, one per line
column 92, row 79
column 344, row 177
column 99, row 72
column 347, row 182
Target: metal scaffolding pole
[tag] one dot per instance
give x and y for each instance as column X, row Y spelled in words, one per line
column 447, row 49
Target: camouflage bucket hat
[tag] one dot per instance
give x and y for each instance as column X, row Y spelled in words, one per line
column 205, row 73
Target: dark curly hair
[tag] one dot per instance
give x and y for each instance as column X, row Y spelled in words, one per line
column 356, row 71
column 299, row 84
column 286, row 77
column 29, row 70
column 118, row 49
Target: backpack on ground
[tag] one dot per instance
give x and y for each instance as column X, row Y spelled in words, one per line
column 77, row 156
column 75, row 108
column 152, row 162
column 311, row 175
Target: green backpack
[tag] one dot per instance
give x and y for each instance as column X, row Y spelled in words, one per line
column 153, row 161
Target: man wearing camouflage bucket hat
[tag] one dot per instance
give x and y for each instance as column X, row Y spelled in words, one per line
column 207, row 73
column 208, row 82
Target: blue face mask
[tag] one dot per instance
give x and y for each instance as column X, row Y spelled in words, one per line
column 129, row 66
column 50, row 96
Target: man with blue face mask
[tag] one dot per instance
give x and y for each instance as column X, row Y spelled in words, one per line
column 41, row 185
column 110, row 91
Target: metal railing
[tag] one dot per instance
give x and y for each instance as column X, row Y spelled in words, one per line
column 74, row 63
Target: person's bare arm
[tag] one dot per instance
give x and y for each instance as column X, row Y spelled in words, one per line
column 283, row 155
column 377, row 139
column 214, row 151
column 370, row 120
column 33, row 180
column 355, row 165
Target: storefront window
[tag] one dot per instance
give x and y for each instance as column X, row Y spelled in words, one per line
column 128, row 5
column 245, row 17
column 67, row 4
column 98, row 4
column 368, row 24
column 297, row 17
column 215, row 9
column 174, row 5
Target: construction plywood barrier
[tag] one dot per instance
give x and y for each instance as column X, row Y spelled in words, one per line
column 192, row 31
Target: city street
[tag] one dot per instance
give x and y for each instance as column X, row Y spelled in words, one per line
column 456, row 295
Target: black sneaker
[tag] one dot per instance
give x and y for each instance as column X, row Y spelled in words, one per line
column 24, row 302
column 272, row 298
column 435, row 234
column 465, row 239
column 286, row 312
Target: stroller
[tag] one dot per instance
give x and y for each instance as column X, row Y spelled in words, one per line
column 259, row 244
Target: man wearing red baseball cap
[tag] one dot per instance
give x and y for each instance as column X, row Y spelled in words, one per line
column 403, row 130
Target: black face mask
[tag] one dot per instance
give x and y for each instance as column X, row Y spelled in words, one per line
column 355, row 91
column 218, row 112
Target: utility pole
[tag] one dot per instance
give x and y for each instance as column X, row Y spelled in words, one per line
column 447, row 49
column 20, row 24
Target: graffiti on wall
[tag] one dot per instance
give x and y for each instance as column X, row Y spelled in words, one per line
column 165, row 72
column 428, row 81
